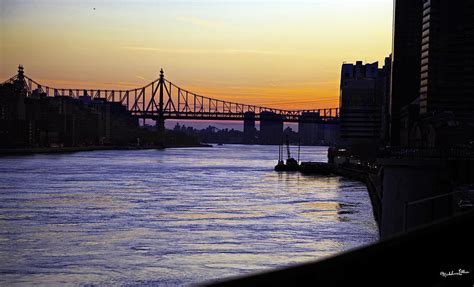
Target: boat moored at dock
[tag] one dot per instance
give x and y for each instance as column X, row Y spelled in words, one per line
column 290, row 164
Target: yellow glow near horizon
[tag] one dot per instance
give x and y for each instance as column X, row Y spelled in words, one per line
column 284, row 54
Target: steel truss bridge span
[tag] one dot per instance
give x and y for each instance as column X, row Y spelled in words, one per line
column 162, row 99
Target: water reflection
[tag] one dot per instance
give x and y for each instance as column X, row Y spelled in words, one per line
column 170, row 217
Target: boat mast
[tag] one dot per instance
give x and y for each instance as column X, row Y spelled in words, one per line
column 288, row 147
column 279, row 152
column 299, row 149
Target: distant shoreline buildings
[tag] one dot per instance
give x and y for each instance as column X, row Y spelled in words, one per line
column 40, row 121
column 312, row 133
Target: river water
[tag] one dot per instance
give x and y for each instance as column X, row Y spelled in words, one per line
column 170, row 217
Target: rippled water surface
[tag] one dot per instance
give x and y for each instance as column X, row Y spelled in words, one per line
column 170, row 217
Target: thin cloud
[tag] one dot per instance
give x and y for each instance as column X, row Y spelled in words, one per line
column 198, row 21
column 205, row 51
column 140, row 77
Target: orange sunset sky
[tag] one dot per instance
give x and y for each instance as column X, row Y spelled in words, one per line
column 284, row 54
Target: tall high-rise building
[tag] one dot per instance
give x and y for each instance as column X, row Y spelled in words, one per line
column 443, row 116
column 386, row 74
column 363, row 88
column 405, row 84
column 447, row 59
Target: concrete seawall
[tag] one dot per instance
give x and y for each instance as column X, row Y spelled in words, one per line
column 419, row 191
column 406, row 193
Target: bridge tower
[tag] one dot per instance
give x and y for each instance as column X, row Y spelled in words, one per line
column 21, row 73
column 160, row 122
column 20, row 81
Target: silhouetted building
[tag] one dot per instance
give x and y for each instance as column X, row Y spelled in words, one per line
column 444, row 111
column 386, row 75
column 250, row 131
column 331, row 133
column 42, row 121
column 271, row 128
column 363, row 88
column 312, row 132
column 406, row 61
column 409, row 115
column 14, row 127
column 447, row 58
column 212, row 134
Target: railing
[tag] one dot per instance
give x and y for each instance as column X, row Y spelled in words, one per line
column 436, row 207
column 429, row 153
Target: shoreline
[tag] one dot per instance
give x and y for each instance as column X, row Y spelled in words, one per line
column 53, row 150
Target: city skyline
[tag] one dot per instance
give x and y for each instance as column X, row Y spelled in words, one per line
column 250, row 52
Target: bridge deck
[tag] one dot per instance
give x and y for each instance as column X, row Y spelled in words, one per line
column 161, row 99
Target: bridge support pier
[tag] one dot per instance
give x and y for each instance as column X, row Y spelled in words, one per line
column 271, row 128
column 160, row 131
column 249, row 128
